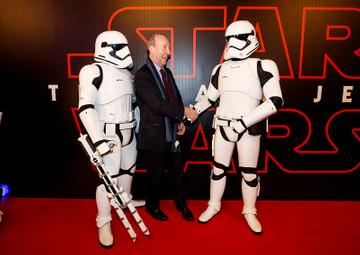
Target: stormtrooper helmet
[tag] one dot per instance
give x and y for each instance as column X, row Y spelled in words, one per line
column 112, row 47
column 241, row 40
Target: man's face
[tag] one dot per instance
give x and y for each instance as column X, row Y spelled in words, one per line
column 160, row 51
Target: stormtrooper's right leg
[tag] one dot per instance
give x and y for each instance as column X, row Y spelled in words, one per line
column 223, row 149
column 248, row 149
column 250, row 189
column 103, row 219
column 128, row 164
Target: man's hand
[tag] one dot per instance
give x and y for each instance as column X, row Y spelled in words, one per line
column 181, row 128
column 190, row 113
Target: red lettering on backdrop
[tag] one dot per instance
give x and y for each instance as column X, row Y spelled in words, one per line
column 161, row 21
column 341, row 121
column 318, row 47
column 272, row 33
column 338, row 33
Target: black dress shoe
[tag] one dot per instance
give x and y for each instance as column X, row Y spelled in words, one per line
column 186, row 213
column 157, row 214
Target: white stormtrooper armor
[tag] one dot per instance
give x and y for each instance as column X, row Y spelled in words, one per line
column 106, row 97
column 249, row 92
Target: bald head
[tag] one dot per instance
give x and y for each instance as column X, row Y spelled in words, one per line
column 159, row 49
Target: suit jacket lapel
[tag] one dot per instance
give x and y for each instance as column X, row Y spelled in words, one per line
column 156, row 76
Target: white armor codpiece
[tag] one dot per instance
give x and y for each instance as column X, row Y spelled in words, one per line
column 248, row 90
column 106, row 97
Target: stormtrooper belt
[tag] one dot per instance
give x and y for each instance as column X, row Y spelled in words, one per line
column 119, row 126
column 225, row 122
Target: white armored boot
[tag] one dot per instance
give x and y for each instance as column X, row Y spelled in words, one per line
column 135, row 203
column 126, row 182
column 104, row 217
column 249, row 210
column 106, row 238
column 217, row 188
column 138, row 203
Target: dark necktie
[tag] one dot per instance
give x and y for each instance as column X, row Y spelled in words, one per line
column 167, row 86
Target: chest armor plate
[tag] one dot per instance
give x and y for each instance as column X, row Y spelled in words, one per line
column 240, row 77
column 116, row 84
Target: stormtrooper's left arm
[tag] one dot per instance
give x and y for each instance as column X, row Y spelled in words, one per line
column 136, row 110
column 212, row 93
column 269, row 78
column 133, row 98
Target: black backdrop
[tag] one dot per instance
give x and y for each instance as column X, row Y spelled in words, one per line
column 311, row 151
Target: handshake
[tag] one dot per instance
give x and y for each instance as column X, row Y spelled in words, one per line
column 190, row 113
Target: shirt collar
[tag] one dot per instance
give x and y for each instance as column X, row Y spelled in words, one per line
column 158, row 68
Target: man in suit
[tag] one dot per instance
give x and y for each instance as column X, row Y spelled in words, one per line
column 161, row 121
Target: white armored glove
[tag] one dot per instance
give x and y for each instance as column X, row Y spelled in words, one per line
column 239, row 126
column 106, row 147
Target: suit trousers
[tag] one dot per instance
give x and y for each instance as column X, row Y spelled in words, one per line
column 156, row 164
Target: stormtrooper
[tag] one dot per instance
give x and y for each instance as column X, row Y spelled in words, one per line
column 248, row 90
column 106, row 98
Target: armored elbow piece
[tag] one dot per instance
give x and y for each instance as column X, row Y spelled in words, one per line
column 277, row 101
column 269, row 78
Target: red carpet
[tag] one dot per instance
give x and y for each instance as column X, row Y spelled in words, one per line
column 67, row 226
